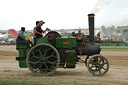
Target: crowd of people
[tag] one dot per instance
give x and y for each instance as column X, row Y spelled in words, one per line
column 37, row 34
column 6, row 42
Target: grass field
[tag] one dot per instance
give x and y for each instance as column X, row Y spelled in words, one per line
column 114, row 47
column 20, row 83
column 7, row 82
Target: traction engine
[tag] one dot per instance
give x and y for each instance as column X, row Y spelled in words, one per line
column 53, row 51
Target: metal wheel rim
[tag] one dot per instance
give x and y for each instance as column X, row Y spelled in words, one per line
column 98, row 68
column 43, row 66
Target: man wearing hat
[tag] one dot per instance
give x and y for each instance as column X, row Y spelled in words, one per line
column 39, row 30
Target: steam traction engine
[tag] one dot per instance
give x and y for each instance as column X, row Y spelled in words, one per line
column 52, row 52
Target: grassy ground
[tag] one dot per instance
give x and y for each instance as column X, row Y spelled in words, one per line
column 11, row 82
column 114, row 47
column 7, row 82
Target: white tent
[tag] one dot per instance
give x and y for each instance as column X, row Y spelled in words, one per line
column 3, row 35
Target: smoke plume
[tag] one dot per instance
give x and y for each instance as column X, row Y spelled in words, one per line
column 100, row 4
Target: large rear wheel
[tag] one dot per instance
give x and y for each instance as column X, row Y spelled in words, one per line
column 43, row 59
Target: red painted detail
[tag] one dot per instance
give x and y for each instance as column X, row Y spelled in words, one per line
column 51, row 35
column 65, row 42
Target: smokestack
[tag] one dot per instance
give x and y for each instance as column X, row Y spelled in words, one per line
column 91, row 27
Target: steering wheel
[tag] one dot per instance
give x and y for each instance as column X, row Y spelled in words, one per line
column 52, row 35
column 47, row 31
column 56, row 34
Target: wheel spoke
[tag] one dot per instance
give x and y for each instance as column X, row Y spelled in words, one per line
column 40, row 66
column 40, row 54
column 92, row 62
column 104, row 69
column 31, row 62
column 99, row 71
column 47, row 67
column 52, row 62
column 96, row 69
column 101, row 65
column 37, row 62
column 34, row 62
column 45, row 53
column 39, row 49
column 48, row 49
column 52, row 52
column 100, row 60
column 92, row 66
column 42, row 70
column 105, row 63
column 55, row 56
column 49, row 56
column 33, row 53
column 36, row 57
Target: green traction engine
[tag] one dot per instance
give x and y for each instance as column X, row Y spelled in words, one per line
column 53, row 51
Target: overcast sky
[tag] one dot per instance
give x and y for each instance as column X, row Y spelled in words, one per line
column 61, row 14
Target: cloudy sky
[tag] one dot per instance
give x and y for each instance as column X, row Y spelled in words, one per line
column 61, row 14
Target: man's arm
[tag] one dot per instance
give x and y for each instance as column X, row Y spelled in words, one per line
column 47, row 29
column 38, row 29
column 37, row 32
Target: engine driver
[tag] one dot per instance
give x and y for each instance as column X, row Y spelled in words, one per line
column 39, row 31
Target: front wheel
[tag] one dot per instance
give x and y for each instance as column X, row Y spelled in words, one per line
column 43, row 59
column 98, row 65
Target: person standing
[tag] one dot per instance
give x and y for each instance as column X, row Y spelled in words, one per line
column 39, row 30
column 34, row 32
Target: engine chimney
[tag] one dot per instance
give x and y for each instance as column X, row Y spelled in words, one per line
column 91, row 27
